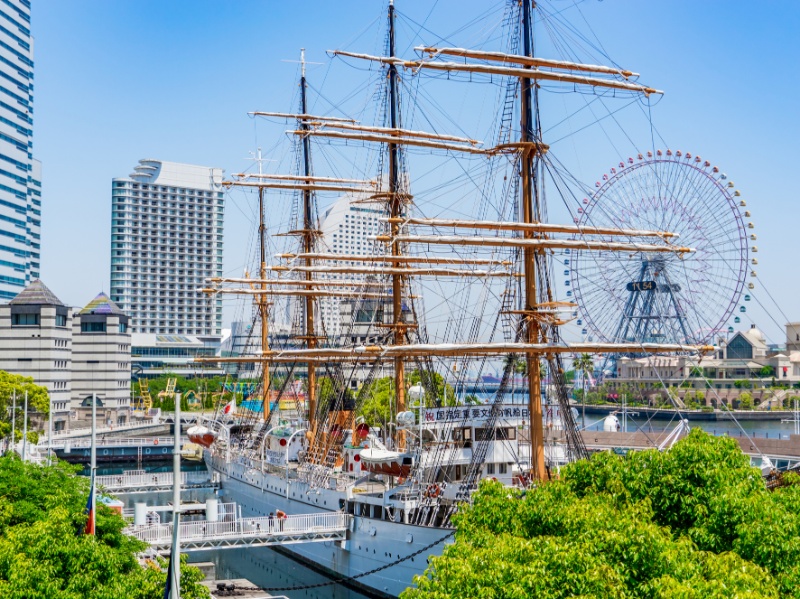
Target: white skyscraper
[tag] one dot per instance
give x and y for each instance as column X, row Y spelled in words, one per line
column 20, row 174
column 166, row 239
column 348, row 228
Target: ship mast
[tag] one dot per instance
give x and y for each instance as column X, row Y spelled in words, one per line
column 308, row 247
column 396, row 212
column 530, row 214
column 263, row 300
column 539, row 315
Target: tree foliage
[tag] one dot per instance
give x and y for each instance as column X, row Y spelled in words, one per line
column 11, row 384
column 376, row 408
column 207, row 388
column 693, row 522
column 43, row 554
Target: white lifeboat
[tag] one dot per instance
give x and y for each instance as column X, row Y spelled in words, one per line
column 201, row 435
column 384, row 461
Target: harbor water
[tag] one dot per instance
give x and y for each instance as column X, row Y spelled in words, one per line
column 757, row 429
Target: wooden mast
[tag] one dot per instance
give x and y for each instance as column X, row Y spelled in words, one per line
column 396, row 211
column 263, row 305
column 530, row 201
column 308, row 248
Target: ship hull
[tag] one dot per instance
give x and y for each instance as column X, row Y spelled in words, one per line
column 374, row 543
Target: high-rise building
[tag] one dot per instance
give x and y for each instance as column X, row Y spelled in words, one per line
column 166, row 239
column 20, row 174
column 348, row 228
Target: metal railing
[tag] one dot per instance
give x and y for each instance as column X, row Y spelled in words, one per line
column 118, row 482
column 203, row 534
column 80, row 432
column 113, row 442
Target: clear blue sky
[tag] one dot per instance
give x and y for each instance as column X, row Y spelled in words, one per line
column 121, row 80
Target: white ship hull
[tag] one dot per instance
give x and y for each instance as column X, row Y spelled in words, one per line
column 373, row 542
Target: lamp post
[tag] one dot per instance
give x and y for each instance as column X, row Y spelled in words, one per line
column 289, row 442
column 175, row 556
column 264, row 446
column 417, row 392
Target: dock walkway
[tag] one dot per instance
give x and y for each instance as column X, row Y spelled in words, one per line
column 198, row 535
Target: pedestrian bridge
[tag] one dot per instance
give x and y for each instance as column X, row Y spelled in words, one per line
column 198, row 535
column 139, row 481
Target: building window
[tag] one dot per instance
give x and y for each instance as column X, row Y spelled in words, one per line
column 93, row 327
column 123, row 327
column 25, row 320
column 61, row 320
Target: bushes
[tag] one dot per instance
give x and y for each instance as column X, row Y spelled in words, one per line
column 44, row 555
column 693, row 522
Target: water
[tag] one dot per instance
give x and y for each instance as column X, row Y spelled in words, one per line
column 273, row 571
column 760, row 429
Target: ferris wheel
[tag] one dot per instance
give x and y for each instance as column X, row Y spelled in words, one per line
column 664, row 297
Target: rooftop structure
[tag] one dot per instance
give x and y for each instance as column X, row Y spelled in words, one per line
column 101, row 361
column 36, row 341
column 153, row 355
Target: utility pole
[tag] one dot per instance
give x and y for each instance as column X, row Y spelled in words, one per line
column 175, row 558
column 14, row 419
column 93, row 465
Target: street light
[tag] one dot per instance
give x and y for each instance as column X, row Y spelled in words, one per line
column 289, row 442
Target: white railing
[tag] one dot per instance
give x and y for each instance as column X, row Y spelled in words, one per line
column 265, row 529
column 114, row 442
column 80, row 432
column 149, row 480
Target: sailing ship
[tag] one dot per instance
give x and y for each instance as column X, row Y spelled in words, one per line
column 405, row 481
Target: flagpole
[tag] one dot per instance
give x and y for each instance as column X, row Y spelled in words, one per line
column 93, row 465
column 50, row 432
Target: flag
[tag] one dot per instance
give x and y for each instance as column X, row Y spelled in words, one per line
column 88, row 529
column 170, row 575
column 230, row 407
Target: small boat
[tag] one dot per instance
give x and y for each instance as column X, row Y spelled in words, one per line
column 385, row 461
column 201, row 435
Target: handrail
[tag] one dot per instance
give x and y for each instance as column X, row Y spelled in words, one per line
column 262, row 527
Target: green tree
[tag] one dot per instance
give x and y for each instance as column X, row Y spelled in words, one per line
column 693, row 522
column 376, row 407
column 745, row 401
column 11, row 384
column 766, row 372
column 437, row 392
column 43, row 554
